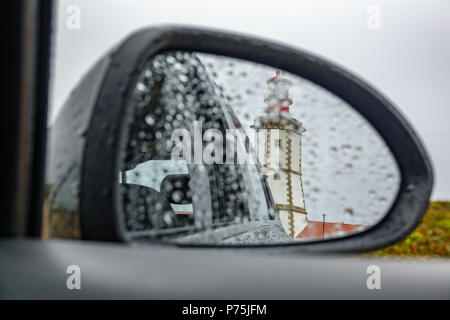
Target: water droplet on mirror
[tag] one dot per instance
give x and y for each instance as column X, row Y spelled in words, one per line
column 149, row 120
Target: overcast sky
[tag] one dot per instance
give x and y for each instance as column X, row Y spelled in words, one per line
column 407, row 58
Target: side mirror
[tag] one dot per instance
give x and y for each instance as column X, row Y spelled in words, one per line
column 158, row 110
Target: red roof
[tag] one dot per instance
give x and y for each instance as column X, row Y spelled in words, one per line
column 315, row 229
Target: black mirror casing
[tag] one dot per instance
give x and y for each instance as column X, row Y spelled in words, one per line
column 105, row 111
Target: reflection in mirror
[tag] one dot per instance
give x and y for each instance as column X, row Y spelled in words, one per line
column 226, row 151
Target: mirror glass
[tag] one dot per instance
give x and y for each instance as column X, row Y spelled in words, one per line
column 226, row 151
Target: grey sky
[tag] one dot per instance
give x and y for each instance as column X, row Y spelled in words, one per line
column 407, row 58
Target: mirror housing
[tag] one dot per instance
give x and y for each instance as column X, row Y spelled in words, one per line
column 100, row 111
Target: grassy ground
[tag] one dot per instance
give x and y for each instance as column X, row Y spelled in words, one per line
column 430, row 239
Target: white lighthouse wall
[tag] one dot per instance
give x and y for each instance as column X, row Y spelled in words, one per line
column 278, row 161
column 300, row 221
column 295, row 151
column 297, row 190
column 278, row 157
column 279, row 188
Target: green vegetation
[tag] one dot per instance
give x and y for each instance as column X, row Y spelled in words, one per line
column 48, row 189
column 430, row 239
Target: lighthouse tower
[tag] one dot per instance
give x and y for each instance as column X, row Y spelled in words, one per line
column 279, row 137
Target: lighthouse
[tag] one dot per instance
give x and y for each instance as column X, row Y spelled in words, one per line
column 279, row 139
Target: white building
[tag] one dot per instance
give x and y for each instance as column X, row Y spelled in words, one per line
column 281, row 135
